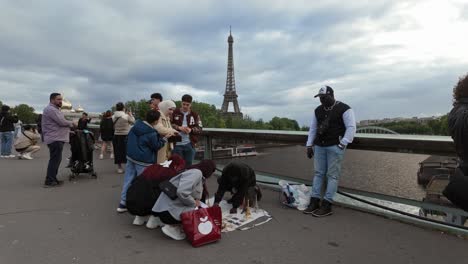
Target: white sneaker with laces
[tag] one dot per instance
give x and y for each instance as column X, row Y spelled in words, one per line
column 173, row 231
column 139, row 220
column 27, row 156
column 154, row 222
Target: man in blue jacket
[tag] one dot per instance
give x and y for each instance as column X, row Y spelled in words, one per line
column 143, row 143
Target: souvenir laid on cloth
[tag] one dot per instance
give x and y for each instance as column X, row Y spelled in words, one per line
column 243, row 219
column 202, row 225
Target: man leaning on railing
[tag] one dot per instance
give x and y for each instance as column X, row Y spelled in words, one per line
column 332, row 128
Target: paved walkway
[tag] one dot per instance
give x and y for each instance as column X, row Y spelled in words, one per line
column 77, row 223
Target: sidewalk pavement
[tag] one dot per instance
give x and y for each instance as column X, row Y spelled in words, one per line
column 77, row 223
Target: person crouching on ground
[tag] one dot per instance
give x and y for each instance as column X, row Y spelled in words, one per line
column 142, row 145
column 239, row 179
column 189, row 186
column 26, row 143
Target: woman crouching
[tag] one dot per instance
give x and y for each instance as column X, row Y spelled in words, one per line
column 189, row 186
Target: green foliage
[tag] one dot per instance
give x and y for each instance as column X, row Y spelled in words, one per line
column 25, row 113
column 432, row 127
column 212, row 117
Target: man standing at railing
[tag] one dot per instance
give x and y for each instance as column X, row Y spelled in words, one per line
column 332, row 128
column 188, row 123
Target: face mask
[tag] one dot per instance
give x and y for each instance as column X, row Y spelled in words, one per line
column 327, row 101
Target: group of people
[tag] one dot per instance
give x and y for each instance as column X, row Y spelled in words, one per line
column 13, row 135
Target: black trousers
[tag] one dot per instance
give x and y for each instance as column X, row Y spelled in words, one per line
column 120, row 149
column 55, row 151
column 166, row 218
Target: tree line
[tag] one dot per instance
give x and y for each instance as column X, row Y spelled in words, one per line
column 433, row 127
column 24, row 112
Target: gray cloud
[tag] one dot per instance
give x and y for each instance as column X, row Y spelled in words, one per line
column 101, row 52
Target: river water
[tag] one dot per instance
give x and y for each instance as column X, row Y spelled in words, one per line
column 373, row 171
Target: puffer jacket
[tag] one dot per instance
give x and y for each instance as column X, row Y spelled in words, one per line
column 143, row 143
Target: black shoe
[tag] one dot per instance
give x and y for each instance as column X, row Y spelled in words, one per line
column 324, row 210
column 53, row 184
column 313, row 205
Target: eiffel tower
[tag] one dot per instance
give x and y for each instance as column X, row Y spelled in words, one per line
column 230, row 95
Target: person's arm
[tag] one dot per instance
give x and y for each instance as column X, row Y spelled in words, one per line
column 60, row 119
column 164, row 131
column 197, row 129
column 156, row 142
column 187, row 181
column 312, row 131
column 130, row 119
column 350, row 124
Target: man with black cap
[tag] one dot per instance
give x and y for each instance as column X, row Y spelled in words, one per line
column 332, row 128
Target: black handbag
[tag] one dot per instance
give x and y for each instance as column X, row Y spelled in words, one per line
column 169, row 189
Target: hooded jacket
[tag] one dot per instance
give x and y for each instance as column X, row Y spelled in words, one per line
column 458, row 127
column 143, row 143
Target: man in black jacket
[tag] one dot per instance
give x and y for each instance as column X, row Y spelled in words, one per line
column 7, row 129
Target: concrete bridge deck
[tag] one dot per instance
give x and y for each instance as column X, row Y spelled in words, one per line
column 77, row 223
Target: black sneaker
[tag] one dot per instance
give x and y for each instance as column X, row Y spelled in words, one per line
column 313, row 205
column 324, row 210
column 53, row 184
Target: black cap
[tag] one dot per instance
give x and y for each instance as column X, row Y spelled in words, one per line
column 325, row 90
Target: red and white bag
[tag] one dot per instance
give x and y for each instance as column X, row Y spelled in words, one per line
column 202, row 225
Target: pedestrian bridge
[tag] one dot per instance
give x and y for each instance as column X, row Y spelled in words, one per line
column 375, row 130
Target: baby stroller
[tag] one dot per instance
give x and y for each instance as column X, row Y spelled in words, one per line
column 82, row 147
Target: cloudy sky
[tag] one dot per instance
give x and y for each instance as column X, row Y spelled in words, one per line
column 384, row 58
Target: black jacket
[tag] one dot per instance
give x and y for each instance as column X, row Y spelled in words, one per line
column 458, row 128
column 236, row 178
column 7, row 122
column 330, row 124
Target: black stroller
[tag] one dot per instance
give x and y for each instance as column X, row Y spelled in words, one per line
column 82, row 148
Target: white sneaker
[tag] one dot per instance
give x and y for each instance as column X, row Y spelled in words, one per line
column 154, row 222
column 11, row 156
column 27, row 156
column 139, row 220
column 101, row 157
column 112, row 156
column 2, row 156
column 173, row 231
column 120, row 171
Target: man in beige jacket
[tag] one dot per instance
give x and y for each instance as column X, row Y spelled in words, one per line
column 26, row 143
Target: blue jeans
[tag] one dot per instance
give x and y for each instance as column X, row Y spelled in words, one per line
column 187, row 152
column 7, row 142
column 327, row 163
column 131, row 171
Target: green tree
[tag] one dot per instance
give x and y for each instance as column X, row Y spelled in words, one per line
column 25, row 113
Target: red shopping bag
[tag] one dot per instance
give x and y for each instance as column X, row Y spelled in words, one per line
column 203, row 225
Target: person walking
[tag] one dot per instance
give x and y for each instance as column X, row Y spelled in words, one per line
column 55, row 130
column 26, row 142
column 7, row 128
column 188, row 124
column 106, row 128
column 332, row 128
column 121, row 121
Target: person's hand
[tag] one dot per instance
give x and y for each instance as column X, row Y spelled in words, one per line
column 233, row 211
column 197, row 203
column 310, row 152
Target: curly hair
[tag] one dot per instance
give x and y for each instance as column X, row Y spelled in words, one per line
column 461, row 89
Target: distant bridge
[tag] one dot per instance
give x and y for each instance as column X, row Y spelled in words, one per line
column 375, row 130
